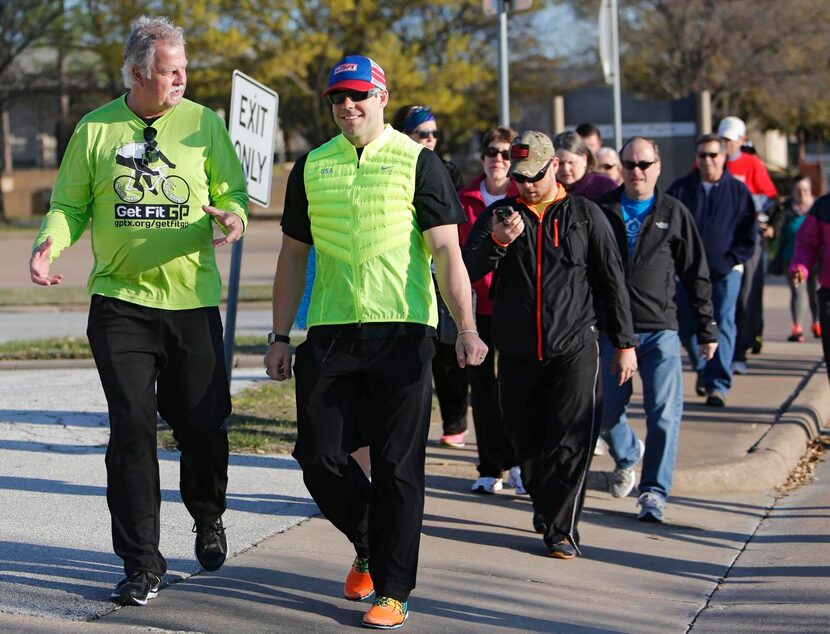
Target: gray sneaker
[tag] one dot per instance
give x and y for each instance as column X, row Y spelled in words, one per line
column 622, row 480
column 651, row 507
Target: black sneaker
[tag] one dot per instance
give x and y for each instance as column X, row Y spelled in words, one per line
column 539, row 524
column 716, row 399
column 211, row 544
column 137, row 588
column 563, row 549
column 700, row 386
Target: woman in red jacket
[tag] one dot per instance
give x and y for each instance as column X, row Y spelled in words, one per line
column 495, row 450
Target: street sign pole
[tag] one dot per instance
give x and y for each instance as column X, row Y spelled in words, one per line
column 504, row 82
column 252, row 127
column 615, row 55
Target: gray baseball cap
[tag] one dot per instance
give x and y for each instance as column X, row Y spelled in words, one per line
column 530, row 152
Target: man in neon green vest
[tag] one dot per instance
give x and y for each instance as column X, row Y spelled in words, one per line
column 377, row 209
column 153, row 173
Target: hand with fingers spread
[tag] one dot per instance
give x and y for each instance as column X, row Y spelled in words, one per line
column 232, row 225
column 39, row 265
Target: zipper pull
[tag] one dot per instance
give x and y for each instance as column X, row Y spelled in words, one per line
column 556, row 232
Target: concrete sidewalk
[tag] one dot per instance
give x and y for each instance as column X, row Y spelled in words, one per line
column 482, row 567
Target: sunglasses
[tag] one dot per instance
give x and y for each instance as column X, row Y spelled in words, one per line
column 704, row 155
column 522, row 179
column 425, row 134
column 493, row 152
column 337, row 98
column 608, row 166
column 643, row 165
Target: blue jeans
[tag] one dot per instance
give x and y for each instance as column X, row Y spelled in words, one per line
column 715, row 374
column 661, row 371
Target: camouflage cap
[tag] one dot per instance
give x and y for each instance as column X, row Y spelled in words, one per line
column 530, row 152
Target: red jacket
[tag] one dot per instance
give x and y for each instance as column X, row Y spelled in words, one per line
column 749, row 169
column 473, row 205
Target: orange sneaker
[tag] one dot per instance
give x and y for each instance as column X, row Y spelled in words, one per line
column 817, row 330
column 358, row 582
column 386, row 614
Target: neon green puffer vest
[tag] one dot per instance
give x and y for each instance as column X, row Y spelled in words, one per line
column 372, row 262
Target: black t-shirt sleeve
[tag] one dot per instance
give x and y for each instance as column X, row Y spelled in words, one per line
column 436, row 201
column 295, row 221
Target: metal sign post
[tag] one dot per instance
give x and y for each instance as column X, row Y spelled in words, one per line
column 252, row 125
column 609, row 53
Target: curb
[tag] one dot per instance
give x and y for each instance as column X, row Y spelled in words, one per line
column 768, row 463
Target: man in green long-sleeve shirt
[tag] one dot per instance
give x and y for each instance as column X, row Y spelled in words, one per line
column 153, row 173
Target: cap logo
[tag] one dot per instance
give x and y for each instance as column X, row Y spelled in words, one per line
column 345, row 68
column 520, row 151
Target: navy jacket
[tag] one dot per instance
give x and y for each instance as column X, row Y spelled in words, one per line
column 725, row 218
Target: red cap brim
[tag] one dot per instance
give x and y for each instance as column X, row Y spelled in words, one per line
column 350, row 84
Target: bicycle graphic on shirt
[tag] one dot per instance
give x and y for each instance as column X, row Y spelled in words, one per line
column 147, row 162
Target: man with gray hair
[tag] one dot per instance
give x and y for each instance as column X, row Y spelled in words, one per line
column 154, row 324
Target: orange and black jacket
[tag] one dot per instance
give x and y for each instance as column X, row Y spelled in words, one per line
column 544, row 282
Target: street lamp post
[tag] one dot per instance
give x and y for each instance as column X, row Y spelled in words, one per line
column 502, row 8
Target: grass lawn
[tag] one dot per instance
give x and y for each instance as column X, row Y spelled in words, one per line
column 78, row 348
column 71, row 296
column 264, row 420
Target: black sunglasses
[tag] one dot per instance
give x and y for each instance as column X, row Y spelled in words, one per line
column 704, row 155
column 522, row 179
column 493, row 152
column 425, row 134
column 608, row 166
column 643, row 165
column 336, row 98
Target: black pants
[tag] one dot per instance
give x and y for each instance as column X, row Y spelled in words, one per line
column 495, row 447
column 353, row 392
column 553, row 409
column 168, row 362
column 749, row 313
column 823, row 296
column 451, row 384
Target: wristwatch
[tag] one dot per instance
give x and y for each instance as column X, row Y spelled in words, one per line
column 274, row 338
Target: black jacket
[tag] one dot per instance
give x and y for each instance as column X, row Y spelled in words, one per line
column 544, row 307
column 668, row 245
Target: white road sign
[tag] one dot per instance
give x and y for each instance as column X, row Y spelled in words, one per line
column 252, row 126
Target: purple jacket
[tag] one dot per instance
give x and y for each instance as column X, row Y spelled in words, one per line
column 592, row 186
column 813, row 241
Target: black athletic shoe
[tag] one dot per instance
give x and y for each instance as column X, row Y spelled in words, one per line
column 716, row 399
column 137, row 588
column 211, row 544
column 539, row 524
column 563, row 549
column 700, row 386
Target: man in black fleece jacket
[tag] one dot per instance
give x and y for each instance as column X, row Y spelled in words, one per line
column 659, row 243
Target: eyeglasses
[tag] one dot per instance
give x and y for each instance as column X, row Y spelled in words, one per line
column 150, row 145
column 704, row 155
column 493, row 152
column 608, row 166
column 643, row 165
column 522, row 179
column 425, row 134
column 337, row 98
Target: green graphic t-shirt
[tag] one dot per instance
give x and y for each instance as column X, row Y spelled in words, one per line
column 142, row 188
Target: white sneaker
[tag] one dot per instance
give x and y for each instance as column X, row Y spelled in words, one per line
column 514, row 480
column 486, row 484
column 601, row 448
column 622, row 480
column 651, row 507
